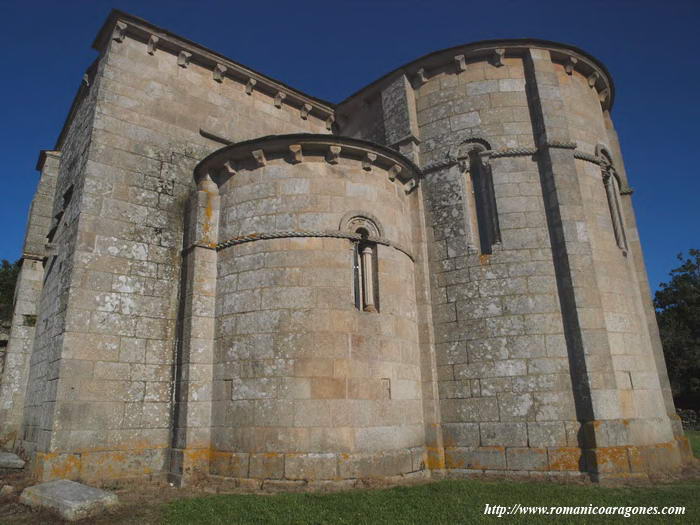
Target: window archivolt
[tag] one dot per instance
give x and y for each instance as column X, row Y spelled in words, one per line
column 611, row 181
column 480, row 199
column 364, row 260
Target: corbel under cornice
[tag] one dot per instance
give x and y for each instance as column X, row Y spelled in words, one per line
column 296, row 148
column 120, row 26
column 456, row 59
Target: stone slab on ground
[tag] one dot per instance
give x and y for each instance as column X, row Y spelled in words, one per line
column 10, row 460
column 70, row 500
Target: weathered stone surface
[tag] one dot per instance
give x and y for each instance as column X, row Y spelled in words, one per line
column 236, row 287
column 70, row 500
column 9, row 460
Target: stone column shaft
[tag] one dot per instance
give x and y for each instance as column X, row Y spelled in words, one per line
column 194, row 366
column 368, row 279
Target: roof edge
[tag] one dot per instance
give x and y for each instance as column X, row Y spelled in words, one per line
column 481, row 47
column 386, row 154
column 116, row 16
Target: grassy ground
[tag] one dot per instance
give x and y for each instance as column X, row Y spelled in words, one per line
column 443, row 502
column 694, row 437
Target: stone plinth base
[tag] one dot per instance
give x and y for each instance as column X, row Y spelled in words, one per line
column 275, row 471
column 100, row 467
column 620, row 461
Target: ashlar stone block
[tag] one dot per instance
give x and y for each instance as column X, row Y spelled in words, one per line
column 72, row 501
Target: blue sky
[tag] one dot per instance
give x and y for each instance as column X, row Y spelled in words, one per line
column 330, row 49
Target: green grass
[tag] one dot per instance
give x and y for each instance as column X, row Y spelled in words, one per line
column 694, row 437
column 441, row 502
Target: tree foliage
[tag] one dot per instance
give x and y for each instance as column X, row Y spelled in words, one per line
column 678, row 314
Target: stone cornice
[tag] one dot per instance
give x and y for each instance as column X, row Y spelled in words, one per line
column 294, row 148
column 457, row 58
column 120, row 25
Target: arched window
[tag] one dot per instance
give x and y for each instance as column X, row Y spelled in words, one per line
column 480, row 199
column 612, row 192
column 365, row 274
column 365, row 263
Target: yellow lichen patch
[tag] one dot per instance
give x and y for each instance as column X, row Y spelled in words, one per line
column 66, row 467
column 196, row 456
column 220, row 462
column 52, row 465
column 611, row 459
column 484, row 259
column 434, row 458
column 565, row 458
column 636, row 458
column 208, row 214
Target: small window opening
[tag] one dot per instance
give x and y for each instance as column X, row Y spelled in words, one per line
column 482, row 204
column 612, row 193
column 365, row 273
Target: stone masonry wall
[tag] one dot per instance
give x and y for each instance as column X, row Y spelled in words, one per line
column 551, row 330
column 20, row 341
column 53, row 319
column 307, row 386
column 592, row 317
column 113, row 392
column 503, row 374
column 642, row 279
column 636, row 374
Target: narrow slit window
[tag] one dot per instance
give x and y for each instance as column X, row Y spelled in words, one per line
column 482, row 210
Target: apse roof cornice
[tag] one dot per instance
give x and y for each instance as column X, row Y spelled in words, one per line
column 294, row 147
column 573, row 59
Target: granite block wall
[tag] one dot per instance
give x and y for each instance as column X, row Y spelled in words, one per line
column 102, row 363
column 305, row 384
